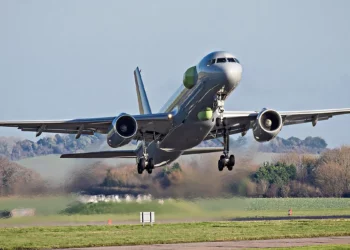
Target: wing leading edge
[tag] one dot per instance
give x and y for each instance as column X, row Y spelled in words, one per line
column 158, row 123
column 241, row 121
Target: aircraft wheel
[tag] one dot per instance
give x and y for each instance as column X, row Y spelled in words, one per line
column 218, row 122
column 232, row 160
column 149, row 170
column 141, row 166
column 224, row 122
column 139, row 170
column 221, row 163
column 150, row 163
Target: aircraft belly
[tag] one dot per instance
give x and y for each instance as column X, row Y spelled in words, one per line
column 187, row 135
column 161, row 157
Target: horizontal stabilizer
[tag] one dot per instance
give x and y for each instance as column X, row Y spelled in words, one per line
column 203, row 150
column 103, row 154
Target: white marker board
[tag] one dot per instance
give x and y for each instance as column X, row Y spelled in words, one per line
column 147, row 217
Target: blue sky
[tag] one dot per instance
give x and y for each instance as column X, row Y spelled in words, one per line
column 71, row 59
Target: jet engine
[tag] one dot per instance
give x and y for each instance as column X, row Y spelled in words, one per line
column 121, row 131
column 267, row 125
column 190, row 77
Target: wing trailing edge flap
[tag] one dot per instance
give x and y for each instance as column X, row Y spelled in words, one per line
column 103, row 154
column 203, row 150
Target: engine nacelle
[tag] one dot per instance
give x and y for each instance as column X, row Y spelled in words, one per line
column 190, row 77
column 121, row 131
column 267, row 125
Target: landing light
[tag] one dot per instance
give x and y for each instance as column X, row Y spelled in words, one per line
column 170, row 116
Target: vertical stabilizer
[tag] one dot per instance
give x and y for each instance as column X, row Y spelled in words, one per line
column 142, row 99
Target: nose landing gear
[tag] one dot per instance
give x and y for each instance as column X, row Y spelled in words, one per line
column 219, row 104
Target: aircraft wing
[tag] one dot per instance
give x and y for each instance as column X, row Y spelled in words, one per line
column 103, row 154
column 202, row 150
column 149, row 124
column 241, row 121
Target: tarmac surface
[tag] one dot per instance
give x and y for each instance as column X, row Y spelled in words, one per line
column 345, row 240
column 291, row 218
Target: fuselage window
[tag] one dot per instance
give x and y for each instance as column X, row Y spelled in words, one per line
column 221, row 60
column 211, row 62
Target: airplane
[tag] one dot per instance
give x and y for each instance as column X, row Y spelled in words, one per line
column 193, row 114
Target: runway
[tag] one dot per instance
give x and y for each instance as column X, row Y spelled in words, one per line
column 226, row 245
column 292, row 218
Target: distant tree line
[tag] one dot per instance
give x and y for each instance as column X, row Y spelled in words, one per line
column 17, row 180
column 313, row 145
column 290, row 175
column 58, row 144
column 62, row 144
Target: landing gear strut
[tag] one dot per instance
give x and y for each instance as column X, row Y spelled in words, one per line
column 144, row 162
column 225, row 160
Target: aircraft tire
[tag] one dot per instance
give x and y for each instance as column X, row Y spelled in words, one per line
column 221, row 163
column 149, row 170
column 217, row 122
column 141, row 166
column 224, row 122
column 232, row 160
column 150, row 163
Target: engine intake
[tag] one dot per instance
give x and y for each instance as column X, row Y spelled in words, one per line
column 267, row 125
column 122, row 130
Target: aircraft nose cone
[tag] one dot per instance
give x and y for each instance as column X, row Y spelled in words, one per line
column 233, row 73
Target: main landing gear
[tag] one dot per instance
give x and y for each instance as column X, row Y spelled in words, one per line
column 225, row 160
column 144, row 162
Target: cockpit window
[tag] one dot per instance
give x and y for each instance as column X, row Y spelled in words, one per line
column 221, row 60
column 211, row 62
column 232, row 60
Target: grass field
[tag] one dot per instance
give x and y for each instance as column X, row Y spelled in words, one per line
column 79, row 236
column 49, row 209
column 48, row 205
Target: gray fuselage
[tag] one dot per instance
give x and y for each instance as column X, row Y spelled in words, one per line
column 187, row 130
